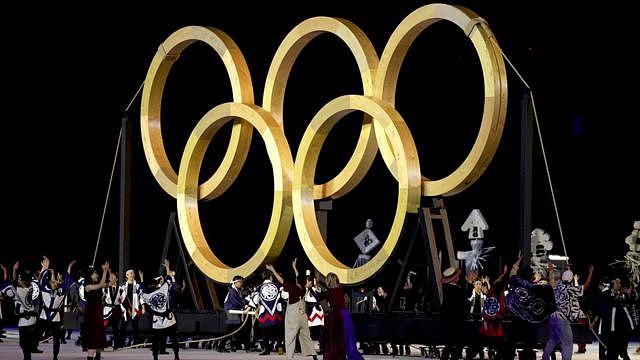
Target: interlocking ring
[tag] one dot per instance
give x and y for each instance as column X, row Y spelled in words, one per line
column 281, row 216
column 294, row 190
column 495, row 90
column 407, row 171
column 242, row 89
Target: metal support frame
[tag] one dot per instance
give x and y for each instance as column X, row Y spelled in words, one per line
column 526, row 178
column 125, row 195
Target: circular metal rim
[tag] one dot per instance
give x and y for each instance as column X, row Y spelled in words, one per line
column 242, row 89
column 187, row 197
column 367, row 61
column 495, row 87
column 304, row 170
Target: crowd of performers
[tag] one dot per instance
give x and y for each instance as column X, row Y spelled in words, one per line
column 289, row 314
column 40, row 299
column 528, row 298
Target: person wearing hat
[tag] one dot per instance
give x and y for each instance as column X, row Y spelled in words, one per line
column 454, row 303
column 567, row 310
column 235, row 301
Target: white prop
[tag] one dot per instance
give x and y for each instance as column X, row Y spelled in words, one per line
column 475, row 225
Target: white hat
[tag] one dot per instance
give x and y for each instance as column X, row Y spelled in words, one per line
column 450, row 274
column 567, row 275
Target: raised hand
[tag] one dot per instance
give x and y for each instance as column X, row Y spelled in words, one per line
column 141, row 275
column 70, row 266
column 16, row 265
column 270, row 268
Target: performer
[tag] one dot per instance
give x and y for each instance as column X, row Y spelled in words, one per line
column 24, row 296
column 616, row 324
column 53, row 289
column 454, row 303
column 235, row 301
column 158, row 299
column 111, row 312
column 78, row 303
column 567, row 310
column 530, row 304
column 340, row 339
column 94, row 335
column 492, row 314
column 295, row 320
column 476, row 301
column 315, row 312
column 267, row 299
column 129, row 299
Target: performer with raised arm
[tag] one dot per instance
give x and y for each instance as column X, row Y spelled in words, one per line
column 157, row 298
column 295, row 320
column 267, row 299
column 53, row 289
column 315, row 312
column 24, row 297
column 567, row 310
column 530, row 304
column 94, row 333
column 130, row 306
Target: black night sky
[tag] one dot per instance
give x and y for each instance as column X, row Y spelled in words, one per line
column 68, row 78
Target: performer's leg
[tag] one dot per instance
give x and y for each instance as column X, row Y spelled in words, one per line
column 26, row 341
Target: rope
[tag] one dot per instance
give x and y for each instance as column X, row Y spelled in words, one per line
column 106, row 199
column 481, row 22
column 246, row 318
column 546, row 166
column 591, row 324
column 113, row 168
column 134, row 97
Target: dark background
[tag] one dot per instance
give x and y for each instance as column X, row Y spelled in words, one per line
column 70, row 71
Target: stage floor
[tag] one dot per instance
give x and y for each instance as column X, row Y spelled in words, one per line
column 9, row 350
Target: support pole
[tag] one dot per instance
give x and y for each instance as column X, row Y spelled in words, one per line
column 526, row 160
column 125, row 195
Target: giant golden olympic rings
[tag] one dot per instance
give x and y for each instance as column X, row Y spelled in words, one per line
column 294, row 188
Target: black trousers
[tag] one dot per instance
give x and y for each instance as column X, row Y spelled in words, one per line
column 241, row 337
column 123, row 329
column 26, row 340
column 114, row 322
column 160, row 337
column 269, row 337
column 56, row 330
column 520, row 331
